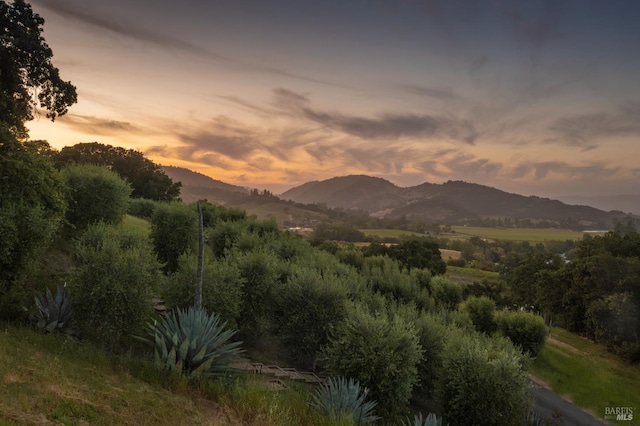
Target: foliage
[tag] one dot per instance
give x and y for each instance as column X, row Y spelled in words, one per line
column 142, row 208
column 481, row 310
column 382, row 353
column 385, row 276
column 447, row 294
column 418, row 420
column 259, row 274
column 221, row 287
column 31, row 209
column 615, row 322
column 419, row 253
column 94, row 194
column 482, row 382
column 146, row 178
column 340, row 396
column 309, row 306
column 26, row 69
column 337, row 232
column 116, row 271
column 193, row 342
column 54, row 313
column 174, row 230
column 525, row 330
column 224, row 236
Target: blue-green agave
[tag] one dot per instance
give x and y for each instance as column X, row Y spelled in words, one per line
column 340, row 396
column 418, row 420
column 54, row 313
column 193, row 342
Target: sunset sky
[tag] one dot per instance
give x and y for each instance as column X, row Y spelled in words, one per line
column 533, row 97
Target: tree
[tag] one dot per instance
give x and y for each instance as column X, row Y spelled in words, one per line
column 32, row 207
column 419, row 253
column 95, row 194
column 174, row 230
column 26, row 71
column 147, row 179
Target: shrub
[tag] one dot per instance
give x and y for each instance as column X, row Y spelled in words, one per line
column 339, row 397
column 418, row 420
column 115, row 274
column 446, row 293
column 259, row 274
column 54, row 313
column 142, row 207
column 482, row 382
column 174, row 230
column 193, row 342
column 481, row 310
column 224, row 236
column 308, row 307
column 379, row 352
column 95, row 194
column 221, row 287
column 524, row 329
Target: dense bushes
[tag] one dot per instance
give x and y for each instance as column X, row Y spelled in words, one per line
column 524, row 329
column 308, row 308
column 116, row 272
column 482, row 382
column 32, row 207
column 221, row 287
column 481, row 310
column 380, row 352
column 174, row 229
column 94, row 194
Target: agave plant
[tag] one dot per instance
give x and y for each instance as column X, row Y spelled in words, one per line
column 340, row 396
column 418, row 420
column 54, row 313
column 534, row 420
column 193, row 342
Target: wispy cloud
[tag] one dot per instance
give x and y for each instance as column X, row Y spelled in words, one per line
column 83, row 13
column 97, row 125
column 440, row 93
column 388, row 126
column 583, row 129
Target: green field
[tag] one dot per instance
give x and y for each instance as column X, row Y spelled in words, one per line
column 390, row 233
column 587, row 374
column 516, row 234
column 471, row 275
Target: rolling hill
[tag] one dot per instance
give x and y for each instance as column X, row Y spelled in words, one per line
column 453, row 202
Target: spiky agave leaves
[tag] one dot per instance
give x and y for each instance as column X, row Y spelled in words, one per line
column 418, row 420
column 54, row 313
column 193, row 342
column 341, row 396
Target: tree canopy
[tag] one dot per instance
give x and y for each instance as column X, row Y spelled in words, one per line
column 28, row 79
column 147, row 179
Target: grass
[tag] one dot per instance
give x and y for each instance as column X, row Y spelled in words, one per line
column 49, row 379
column 587, row 374
column 471, row 275
column 136, row 224
column 390, row 233
column 517, row 234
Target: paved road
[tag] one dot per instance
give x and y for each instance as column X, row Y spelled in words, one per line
column 548, row 404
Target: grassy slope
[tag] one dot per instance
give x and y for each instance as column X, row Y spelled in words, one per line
column 587, row 374
column 518, row 234
column 48, row 379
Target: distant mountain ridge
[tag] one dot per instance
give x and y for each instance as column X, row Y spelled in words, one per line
column 451, row 202
column 196, row 186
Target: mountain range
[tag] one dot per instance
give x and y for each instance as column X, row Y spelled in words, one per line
column 452, row 202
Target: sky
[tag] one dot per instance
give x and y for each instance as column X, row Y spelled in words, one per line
column 531, row 97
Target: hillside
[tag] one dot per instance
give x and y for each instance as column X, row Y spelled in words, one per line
column 196, row 186
column 453, row 202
